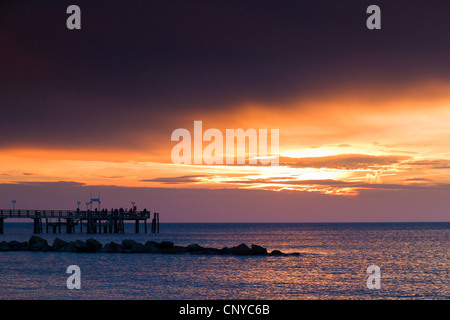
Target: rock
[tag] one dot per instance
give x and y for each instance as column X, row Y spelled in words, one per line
column 137, row 247
column 13, row 244
column 173, row 250
column 46, row 248
column 179, row 249
column 93, row 245
column 152, row 243
column 58, row 244
column 225, row 250
column 80, row 246
column 18, row 246
column 276, row 253
column 212, row 251
column 35, row 239
column 39, row 246
column 166, row 245
column 258, row 250
column 195, row 248
column 241, row 250
column 131, row 246
column 127, row 244
column 4, row 246
column 69, row 247
column 152, row 247
column 111, row 247
column 36, row 243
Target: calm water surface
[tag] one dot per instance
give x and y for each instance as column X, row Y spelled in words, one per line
column 413, row 258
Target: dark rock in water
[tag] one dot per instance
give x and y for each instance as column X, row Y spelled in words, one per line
column 35, row 239
column 4, row 246
column 80, row 246
column 69, row 247
column 211, row 251
column 39, row 246
column 152, row 247
column 152, row 243
column 166, row 245
column 58, row 244
column 137, row 247
column 276, row 253
column 111, row 247
column 294, row 254
column 173, row 250
column 131, row 246
column 225, row 250
column 18, row 246
column 195, row 248
column 177, row 249
column 13, row 244
column 36, row 243
column 93, row 245
column 45, row 248
column 258, row 250
column 241, row 250
column 127, row 244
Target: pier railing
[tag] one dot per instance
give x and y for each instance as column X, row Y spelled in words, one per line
column 129, row 215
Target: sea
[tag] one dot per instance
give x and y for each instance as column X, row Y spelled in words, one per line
column 413, row 260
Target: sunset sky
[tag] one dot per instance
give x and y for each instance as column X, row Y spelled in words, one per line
column 363, row 115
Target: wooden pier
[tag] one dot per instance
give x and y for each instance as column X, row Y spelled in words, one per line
column 93, row 221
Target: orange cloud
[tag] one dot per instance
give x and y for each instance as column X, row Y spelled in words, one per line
column 346, row 136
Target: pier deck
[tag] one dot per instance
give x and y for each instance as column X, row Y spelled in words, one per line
column 94, row 221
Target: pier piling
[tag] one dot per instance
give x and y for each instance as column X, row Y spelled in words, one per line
column 37, row 225
column 155, row 222
column 69, row 225
column 136, row 229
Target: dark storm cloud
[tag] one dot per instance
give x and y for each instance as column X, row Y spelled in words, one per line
column 136, row 66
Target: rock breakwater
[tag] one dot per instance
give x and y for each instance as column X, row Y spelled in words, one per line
column 36, row 243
